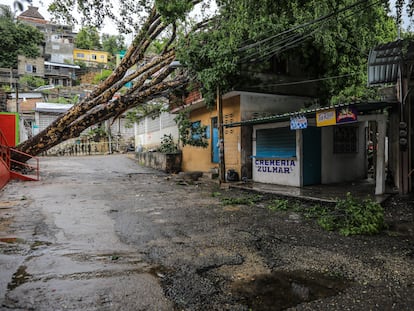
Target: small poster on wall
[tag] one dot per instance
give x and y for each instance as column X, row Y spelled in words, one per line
column 346, row 115
column 326, row 118
column 298, row 122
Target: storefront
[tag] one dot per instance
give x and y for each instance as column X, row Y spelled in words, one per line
column 322, row 146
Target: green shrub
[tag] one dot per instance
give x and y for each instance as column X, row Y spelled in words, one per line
column 278, row 205
column 350, row 216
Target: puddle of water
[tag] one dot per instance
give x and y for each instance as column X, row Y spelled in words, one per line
column 280, row 290
column 19, row 277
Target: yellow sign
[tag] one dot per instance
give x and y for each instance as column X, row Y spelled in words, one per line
column 325, row 118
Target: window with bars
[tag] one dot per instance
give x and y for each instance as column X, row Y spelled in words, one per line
column 345, row 139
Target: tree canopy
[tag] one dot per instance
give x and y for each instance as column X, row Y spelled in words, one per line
column 88, row 39
column 16, row 39
column 113, row 43
column 330, row 38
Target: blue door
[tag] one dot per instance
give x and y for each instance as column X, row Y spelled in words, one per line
column 215, row 156
column 312, row 156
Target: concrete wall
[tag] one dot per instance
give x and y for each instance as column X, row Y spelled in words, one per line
column 167, row 162
column 38, row 63
column 340, row 167
column 255, row 105
column 198, row 158
column 148, row 132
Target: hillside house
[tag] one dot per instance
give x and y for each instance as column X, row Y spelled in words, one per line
column 91, row 58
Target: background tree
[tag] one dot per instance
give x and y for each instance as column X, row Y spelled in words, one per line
column 29, row 82
column 88, row 39
column 113, row 43
column 16, row 39
column 331, row 39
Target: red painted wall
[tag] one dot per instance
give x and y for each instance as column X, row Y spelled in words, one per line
column 4, row 174
column 9, row 127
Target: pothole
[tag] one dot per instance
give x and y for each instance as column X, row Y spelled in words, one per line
column 281, row 290
column 19, row 277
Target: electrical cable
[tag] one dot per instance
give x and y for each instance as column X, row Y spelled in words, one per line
column 274, row 49
column 310, row 80
column 317, row 20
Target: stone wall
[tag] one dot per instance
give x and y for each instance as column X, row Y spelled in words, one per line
column 167, row 162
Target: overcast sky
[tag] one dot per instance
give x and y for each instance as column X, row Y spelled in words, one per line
column 108, row 28
column 43, row 4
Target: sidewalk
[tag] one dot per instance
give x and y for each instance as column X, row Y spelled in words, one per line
column 320, row 193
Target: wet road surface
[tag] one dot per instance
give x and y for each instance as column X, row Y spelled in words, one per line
column 103, row 233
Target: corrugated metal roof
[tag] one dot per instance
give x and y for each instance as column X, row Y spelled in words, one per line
column 52, row 107
column 361, row 107
column 62, row 65
column 384, row 61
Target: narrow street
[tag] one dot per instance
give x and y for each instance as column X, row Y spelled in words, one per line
column 104, row 233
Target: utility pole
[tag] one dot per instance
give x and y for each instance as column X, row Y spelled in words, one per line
column 222, row 166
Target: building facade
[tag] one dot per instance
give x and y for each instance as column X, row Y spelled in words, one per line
column 91, row 57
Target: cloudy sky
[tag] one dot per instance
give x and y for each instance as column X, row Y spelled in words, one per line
column 43, row 4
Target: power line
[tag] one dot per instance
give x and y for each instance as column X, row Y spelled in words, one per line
column 310, row 80
column 293, row 40
column 320, row 19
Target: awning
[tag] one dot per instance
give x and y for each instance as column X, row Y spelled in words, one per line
column 384, row 61
column 362, row 107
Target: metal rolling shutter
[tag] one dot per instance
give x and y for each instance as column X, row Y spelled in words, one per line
column 276, row 143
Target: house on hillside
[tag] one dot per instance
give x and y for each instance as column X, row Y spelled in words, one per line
column 56, row 74
column 55, row 65
column 91, row 58
column 59, row 39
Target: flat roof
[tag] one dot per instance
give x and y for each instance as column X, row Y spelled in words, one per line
column 52, row 107
column 62, row 65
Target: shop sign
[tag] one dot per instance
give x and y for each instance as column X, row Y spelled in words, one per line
column 299, row 122
column 346, row 115
column 275, row 166
column 326, row 117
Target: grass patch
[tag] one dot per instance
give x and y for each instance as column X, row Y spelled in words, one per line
column 242, row 200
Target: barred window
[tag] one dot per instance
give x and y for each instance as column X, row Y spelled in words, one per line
column 345, row 139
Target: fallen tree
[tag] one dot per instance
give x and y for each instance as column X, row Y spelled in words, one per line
column 150, row 79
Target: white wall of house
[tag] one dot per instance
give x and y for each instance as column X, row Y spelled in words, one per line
column 148, row 132
column 280, row 171
column 255, row 105
column 118, row 127
column 340, row 167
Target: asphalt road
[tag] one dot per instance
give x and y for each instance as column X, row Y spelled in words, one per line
column 103, row 233
column 66, row 253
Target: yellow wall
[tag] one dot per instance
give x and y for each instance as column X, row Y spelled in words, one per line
column 232, row 136
column 101, row 56
column 199, row 159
